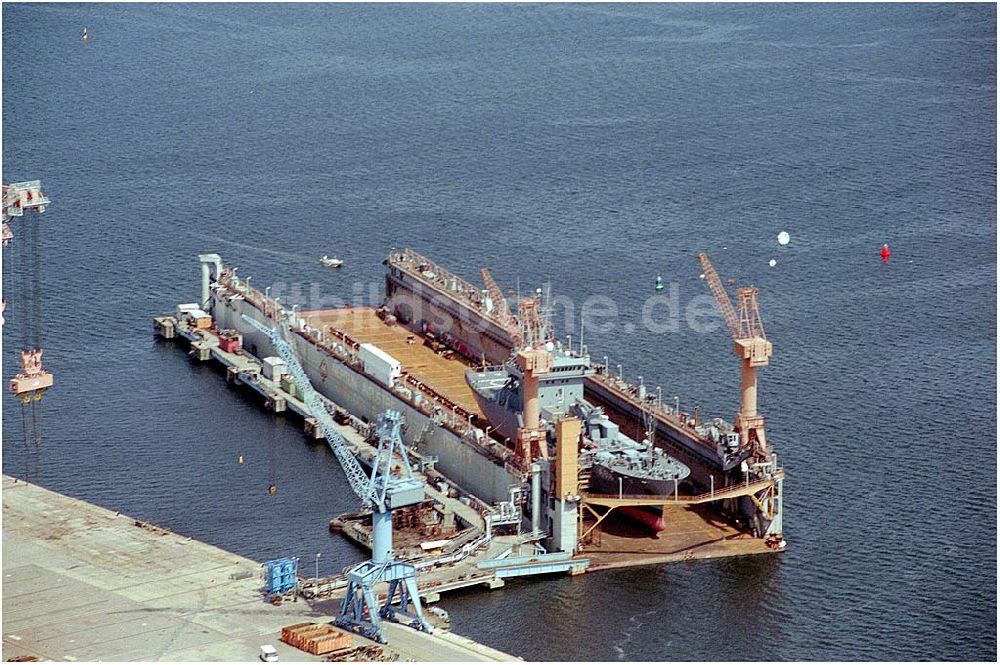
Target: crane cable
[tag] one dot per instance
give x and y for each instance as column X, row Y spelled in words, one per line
column 272, row 483
column 29, row 286
column 23, row 315
column 16, row 283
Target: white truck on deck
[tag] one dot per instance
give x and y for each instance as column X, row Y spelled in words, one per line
column 380, row 364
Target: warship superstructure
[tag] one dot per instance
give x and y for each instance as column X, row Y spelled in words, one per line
column 618, row 464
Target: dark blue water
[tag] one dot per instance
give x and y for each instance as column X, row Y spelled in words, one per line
column 591, row 146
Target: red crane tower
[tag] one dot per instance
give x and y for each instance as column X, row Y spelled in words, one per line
column 502, row 308
column 751, row 346
column 534, row 359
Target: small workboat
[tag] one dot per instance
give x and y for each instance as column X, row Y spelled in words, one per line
column 331, row 263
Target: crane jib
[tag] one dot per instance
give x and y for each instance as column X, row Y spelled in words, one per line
column 360, row 482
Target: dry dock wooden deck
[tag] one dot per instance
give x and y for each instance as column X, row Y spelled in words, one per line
column 693, row 532
column 445, row 375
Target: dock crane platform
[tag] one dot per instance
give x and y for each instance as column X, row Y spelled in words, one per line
column 381, row 492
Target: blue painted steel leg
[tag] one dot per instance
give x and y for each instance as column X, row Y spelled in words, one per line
column 359, row 611
column 406, row 586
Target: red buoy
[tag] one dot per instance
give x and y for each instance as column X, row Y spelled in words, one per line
column 885, row 253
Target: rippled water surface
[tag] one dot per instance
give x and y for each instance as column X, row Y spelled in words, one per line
column 587, row 145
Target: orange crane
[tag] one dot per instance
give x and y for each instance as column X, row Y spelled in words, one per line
column 534, row 360
column 751, row 346
column 502, row 308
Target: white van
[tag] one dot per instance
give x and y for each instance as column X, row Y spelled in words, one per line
column 268, row 654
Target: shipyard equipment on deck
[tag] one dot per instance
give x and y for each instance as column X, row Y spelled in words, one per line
column 32, row 380
column 381, row 492
column 751, row 346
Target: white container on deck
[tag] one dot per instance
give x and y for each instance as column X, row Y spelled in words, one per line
column 182, row 310
column 274, row 368
column 380, row 364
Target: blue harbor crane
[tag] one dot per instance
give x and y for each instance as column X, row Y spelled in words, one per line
column 381, row 492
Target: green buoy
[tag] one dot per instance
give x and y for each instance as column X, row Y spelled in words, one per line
column 659, row 282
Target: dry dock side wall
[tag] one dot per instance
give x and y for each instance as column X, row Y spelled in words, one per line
column 416, row 303
column 365, row 398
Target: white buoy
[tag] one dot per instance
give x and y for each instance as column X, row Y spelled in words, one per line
column 784, row 238
column 772, row 263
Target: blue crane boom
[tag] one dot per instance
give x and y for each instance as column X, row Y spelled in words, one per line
column 360, row 482
column 380, row 493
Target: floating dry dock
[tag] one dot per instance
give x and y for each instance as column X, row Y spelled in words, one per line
column 571, row 528
column 85, row 583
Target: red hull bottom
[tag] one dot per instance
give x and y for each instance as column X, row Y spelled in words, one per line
column 653, row 522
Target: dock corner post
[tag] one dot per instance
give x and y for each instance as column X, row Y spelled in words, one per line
column 536, row 496
column 207, row 260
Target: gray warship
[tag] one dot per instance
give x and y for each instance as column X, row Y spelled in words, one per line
column 618, row 464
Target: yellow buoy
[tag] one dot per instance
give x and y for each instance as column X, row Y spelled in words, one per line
column 272, row 489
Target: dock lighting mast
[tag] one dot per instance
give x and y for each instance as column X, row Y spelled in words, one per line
column 32, row 380
column 751, row 346
column 381, row 492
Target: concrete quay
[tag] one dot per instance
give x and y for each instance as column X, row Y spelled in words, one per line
column 82, row 583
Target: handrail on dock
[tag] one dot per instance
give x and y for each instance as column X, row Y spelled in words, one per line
column 442, row 280
column 662, row 414
column 728, row 492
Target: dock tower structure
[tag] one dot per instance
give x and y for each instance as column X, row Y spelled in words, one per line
column 752, row 348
